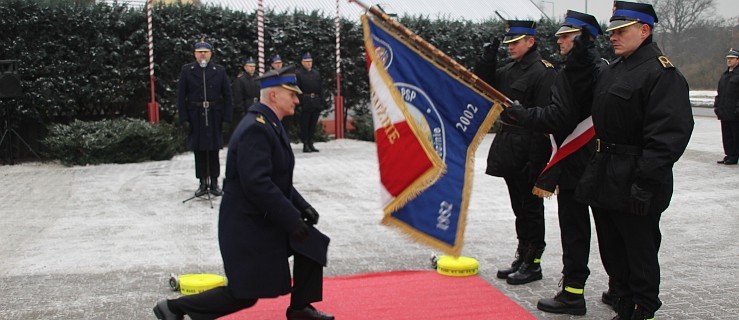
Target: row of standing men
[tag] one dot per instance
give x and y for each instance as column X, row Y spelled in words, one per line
column 602, row 137
column 210, row 107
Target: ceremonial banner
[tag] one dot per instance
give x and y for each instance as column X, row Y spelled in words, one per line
column 444, row 110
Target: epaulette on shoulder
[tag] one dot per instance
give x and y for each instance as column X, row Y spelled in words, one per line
column 547, row 64
column 260, row 119
column 666, row 64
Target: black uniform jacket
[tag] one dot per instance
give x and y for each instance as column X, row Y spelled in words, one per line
column 245, row 91
column 260, row 207
column 528, row 81
column 639, row 101
column 726, row 104
column 312, row 86
column 565, row 112
column 191, row 94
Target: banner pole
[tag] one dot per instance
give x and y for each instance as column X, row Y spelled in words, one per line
column 437, row 54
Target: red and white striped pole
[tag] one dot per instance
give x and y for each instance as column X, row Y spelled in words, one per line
column 152, row 106
column 339, row 100
column 260, row 35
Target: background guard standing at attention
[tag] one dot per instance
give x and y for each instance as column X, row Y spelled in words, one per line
column 311, row 101
column 245, row 90
column 204, row 103
column 726, row 108
column 643, row 122
column 263, row 219
column 518, row 154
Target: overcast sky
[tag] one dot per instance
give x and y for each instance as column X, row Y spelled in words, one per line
column 602, row 9
column 469, row 9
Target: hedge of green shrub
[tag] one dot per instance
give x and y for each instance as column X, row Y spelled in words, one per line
column 112, row 141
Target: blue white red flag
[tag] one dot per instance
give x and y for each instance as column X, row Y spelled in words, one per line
column 441, row 109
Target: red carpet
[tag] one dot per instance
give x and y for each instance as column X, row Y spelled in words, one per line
column 407, row 295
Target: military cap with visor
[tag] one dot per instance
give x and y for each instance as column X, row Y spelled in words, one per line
column 249, row 62
column 276, row 58
column 629, row 13
column 518, row 29
column 576, row 21
column 733, row 53
column 284, row 77
column 307, row 57
column 202, row 45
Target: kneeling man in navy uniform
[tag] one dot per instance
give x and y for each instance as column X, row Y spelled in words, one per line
column 263, row 219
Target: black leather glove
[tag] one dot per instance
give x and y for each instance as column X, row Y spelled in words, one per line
column 300, row 233
column 310, row 216
column 582, row 44
column 186, row 127
column 640, row 200
column 490, row 50
column 516, row 111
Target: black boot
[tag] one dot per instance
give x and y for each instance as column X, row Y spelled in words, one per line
column 503, row 273
column 530, row 269
column 609, row 297
column 312, row 148
column 624, row 308
column 306, row 148
column 214, row 189
column 570, row 300
column 203, row 189
column 642, row 314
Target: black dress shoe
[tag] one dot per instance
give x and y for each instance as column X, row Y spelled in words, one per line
column 307, row 313
column 721, row 161
column 162, row 312
column 306, row 148
column 730, row 162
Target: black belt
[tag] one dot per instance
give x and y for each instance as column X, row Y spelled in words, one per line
column 206, row 103
column 514, row 129
column 602, row 146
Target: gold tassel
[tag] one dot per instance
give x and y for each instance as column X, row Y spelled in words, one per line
column 541, row 193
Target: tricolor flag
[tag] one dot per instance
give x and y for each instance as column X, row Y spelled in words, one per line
column 415, row 97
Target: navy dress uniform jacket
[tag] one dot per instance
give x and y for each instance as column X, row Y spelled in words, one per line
column 641, row 101
column 190, row 91
column 259, row 209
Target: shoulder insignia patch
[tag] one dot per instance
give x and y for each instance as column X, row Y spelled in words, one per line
column 260, row 119
column 666, row 64
column 547, row 64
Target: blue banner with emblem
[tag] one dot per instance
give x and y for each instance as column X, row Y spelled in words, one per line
column 454, row 117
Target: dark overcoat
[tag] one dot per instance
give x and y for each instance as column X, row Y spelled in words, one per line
column 245, row 92
column 726, row 104
column 641, row 101
column 528, row 81
column 310, row 82
column 191, row 92
column 260, row 207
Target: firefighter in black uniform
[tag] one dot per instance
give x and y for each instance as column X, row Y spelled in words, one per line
column 204, row 103
column 567, row 117
column 245, row 90
column 311, row 101
column 263, row 219
column 518, row 154
column 726, row 107
column 643, row 122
